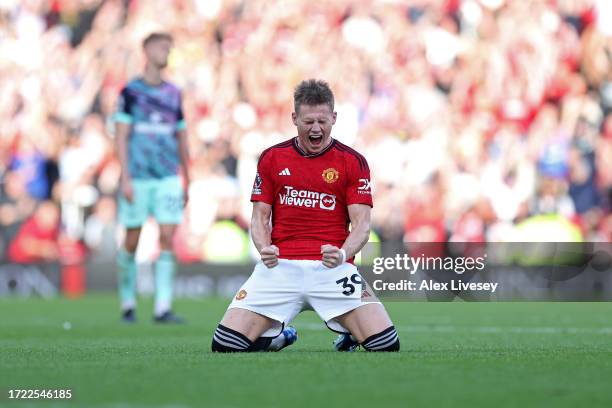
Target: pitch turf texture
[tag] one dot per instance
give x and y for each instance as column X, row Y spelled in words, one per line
column 453, row 354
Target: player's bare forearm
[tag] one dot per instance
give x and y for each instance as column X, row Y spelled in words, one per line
column 184, row 158
column 122, row 134
column 261, row 232
column 123, row 131
column 184, row 155
column 359, row 215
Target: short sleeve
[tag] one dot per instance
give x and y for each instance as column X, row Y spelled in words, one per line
column 124, row 108
column 263, row 186
column 359, row 186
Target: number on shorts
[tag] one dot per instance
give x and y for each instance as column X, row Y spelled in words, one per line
column 349, row 289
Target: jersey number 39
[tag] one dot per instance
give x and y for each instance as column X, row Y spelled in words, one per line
column 349, row 288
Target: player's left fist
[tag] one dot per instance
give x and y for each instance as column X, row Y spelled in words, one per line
column 332, row 256
column 269, row 255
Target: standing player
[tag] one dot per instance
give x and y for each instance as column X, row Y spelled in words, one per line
column 310, row 187
column 152, row 147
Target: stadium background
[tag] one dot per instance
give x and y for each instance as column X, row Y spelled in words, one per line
column 470, row 125
column 476, row 116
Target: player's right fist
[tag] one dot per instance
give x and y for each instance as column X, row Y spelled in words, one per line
column 269, row 255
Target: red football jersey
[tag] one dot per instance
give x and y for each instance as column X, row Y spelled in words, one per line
column 310, row 194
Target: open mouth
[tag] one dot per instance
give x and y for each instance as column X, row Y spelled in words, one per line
column 316, row 140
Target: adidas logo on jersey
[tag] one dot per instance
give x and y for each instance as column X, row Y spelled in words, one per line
column 285, row 172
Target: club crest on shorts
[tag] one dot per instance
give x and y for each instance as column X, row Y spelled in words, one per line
column 330, row 175
column 241, row 294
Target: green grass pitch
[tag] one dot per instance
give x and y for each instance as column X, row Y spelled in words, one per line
column 453, row 354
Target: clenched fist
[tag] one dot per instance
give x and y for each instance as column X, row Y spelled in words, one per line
column 269, row 256
column 332, row 256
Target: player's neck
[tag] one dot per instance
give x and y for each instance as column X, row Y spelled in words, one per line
column 152, row 75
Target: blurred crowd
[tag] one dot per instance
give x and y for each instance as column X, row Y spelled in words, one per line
column 476, row 116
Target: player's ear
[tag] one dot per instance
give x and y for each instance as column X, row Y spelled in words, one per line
column 294, row 118
column 334, row 115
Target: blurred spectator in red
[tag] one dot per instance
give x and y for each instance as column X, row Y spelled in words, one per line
column 37, row 238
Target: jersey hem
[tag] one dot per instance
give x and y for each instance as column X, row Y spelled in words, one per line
column 309, row 258
column 254, row 200
column 371, row 205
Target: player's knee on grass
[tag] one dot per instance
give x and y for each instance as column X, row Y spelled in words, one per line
column 386, row 340
column 226, row 340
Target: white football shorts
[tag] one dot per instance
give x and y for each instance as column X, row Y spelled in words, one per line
column 292, row 286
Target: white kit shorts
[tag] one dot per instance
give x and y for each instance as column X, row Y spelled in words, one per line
column 292, row 286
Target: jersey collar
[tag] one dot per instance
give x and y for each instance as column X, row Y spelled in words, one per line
column 301, row 152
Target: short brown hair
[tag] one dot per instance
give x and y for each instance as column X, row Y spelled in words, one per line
column 155, row 37
column 313, row 92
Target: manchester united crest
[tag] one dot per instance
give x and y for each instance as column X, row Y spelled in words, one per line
column 330, row 175
column 241, row 294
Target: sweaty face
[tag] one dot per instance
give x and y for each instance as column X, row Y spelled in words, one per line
column 314, row 124
column 157, row 52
